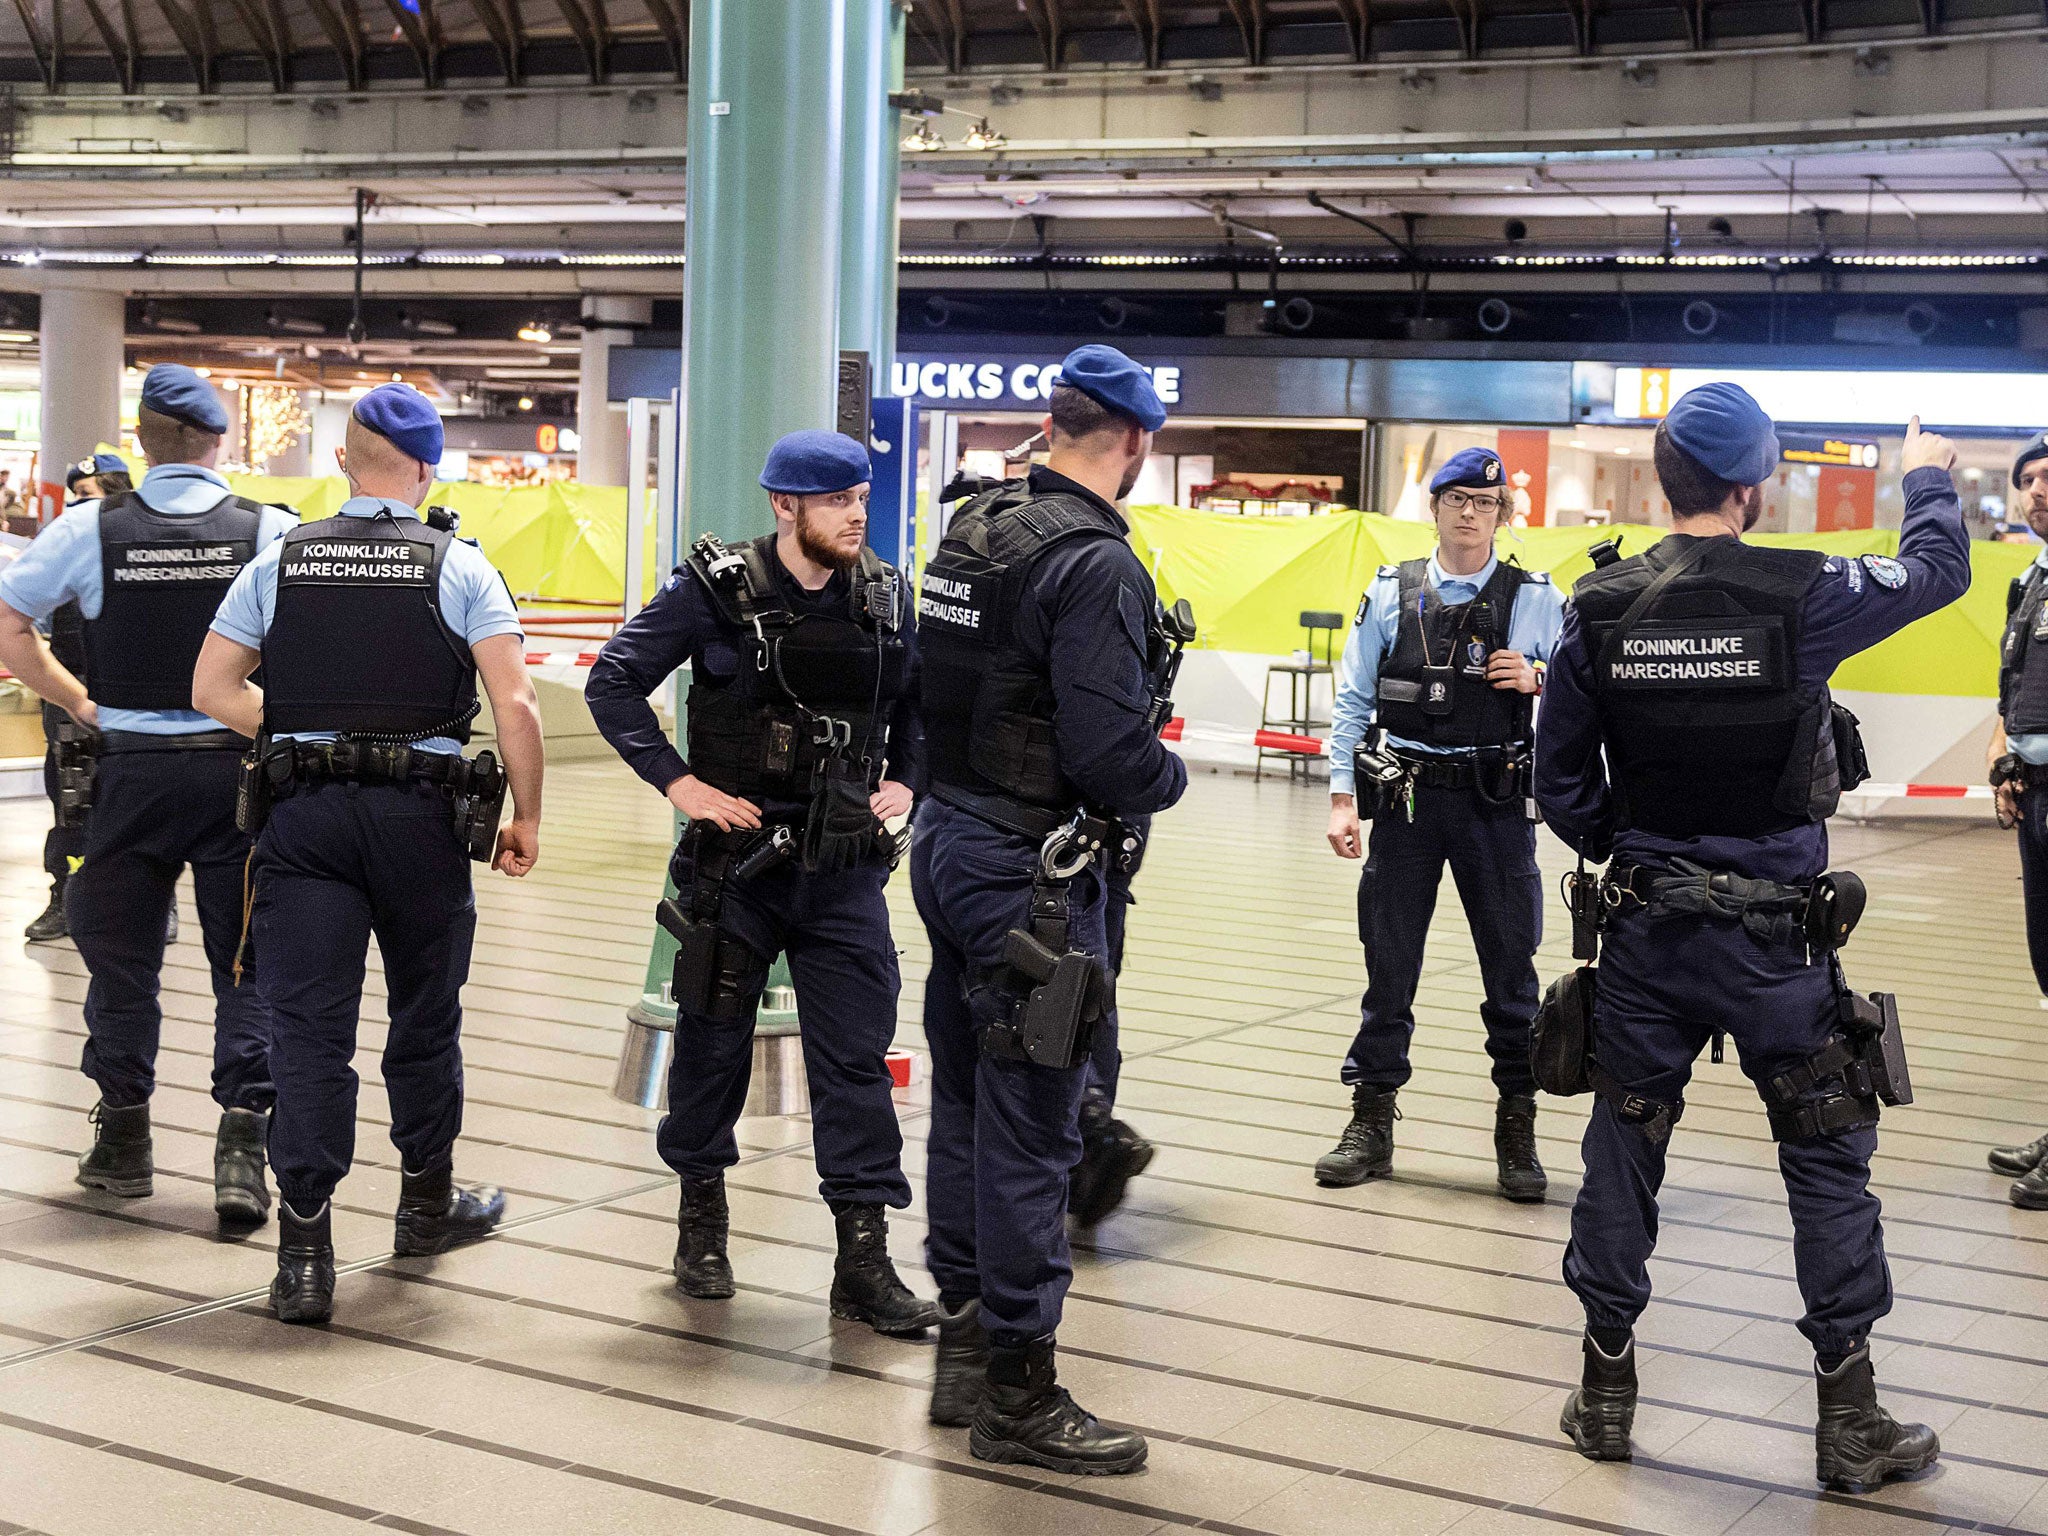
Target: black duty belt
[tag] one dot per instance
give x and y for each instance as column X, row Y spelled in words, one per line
column 1035, row 822
column 1820, row 914
column 1433, row 770
column 2030, row 775
column 366, row 762
column 189, row 741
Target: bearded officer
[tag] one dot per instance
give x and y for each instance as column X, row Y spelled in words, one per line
column 2018, row 757
column 146, row 568
column 1042, row 651
column 1687, row 727
column 372, row 628
column 1441, row 671
column 803, row 740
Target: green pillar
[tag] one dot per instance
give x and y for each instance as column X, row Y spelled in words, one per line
column 761, row 273
column 867, row 227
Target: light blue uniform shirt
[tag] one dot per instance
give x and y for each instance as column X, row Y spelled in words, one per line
column 1532, row 629
column 62, row 565
column 2032, row 748
column 474, row 602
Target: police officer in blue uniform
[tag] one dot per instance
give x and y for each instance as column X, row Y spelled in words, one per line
column 1688, row 730
column 1043, row 655
column 146, row 568
column 372, row 627
column 1438, row 684
column 803, row 740
column 91, row 479
column 2018, row 760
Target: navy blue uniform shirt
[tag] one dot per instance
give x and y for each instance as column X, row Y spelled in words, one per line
column 1852, row 604
column 1085, row 614
column 682, row 624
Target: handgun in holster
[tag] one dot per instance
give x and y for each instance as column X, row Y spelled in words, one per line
column 1873, row 1023
column 1054, row 1022
column 696, row 954
column 77, row 766
column 1378, row 774
column 480, row 805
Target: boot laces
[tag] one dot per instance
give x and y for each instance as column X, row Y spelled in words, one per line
column 1365, row 1125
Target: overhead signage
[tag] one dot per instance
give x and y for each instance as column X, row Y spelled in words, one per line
column 1801, row 448
column 2015, row 402
column 1004, row 382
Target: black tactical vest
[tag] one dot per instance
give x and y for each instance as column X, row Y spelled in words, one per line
column 1707, row 731
column 358, row 643
column 987, row 707
column 1432, row 685
column 2023, row 657
column 808, row 687
column 162, row 579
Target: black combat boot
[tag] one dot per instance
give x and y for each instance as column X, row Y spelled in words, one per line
column 1857, row 1445
column 701, row 1267
column 1600, row 1414
column 1112, row 1154
column 2015, row 1161
column 960, row 1378
column 120, row 1161
column 49, row 925
column 865, row 1285
column 434, row 1216
column 2031, row 1193
column 1366, row 1149
column 1514, row 1148
column 303, row 1291
column 240, row 1196
column 1028, row 1417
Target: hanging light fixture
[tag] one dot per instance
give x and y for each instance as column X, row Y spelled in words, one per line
column 922, row 138
column 984, row 136
column 536, row 333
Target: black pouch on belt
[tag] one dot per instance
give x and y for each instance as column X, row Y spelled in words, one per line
column 252, row 787
column 1561, row 1039
column 77, row 766
column 840, row 830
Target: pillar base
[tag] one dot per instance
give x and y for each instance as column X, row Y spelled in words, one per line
column 778, row 1085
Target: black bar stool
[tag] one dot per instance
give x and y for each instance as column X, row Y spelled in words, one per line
column 1301, row 718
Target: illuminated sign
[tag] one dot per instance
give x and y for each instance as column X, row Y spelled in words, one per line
column 546, row 437
column 1827, row 450
column 999, row 383
column 1961, row 401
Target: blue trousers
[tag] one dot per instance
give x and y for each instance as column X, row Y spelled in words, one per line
column 1492, row 854
column 1665, row 984
column 154, row 813
column 336, row 864
column 2034, row 878
column 1105, row 1055
column 1004, row 1134
column 842, row 962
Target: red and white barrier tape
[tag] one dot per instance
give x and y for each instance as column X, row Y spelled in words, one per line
column 1924, row 791
column 1182, row 729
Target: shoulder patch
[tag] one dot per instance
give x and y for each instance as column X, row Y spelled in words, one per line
column 1885, row 571
column 1364, row 602
column 1851, row 569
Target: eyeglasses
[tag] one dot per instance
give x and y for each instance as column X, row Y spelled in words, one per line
column 1458, row 501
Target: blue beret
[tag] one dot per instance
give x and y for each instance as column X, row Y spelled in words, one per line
column 173, row 390
column 2035, row 449
column 1109, row 378
column 1474, row 468
column 816, row 464
column 1728, row 432
column 406, row 418
column 98, row 464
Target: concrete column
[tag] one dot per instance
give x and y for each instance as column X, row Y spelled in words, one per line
column 330, row 431
column 82, row 360
column 761, row 306
column 601, row 460
column 868, row 219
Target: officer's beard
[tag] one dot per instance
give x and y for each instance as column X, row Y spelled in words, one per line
column 815, row 547
column 1131, row 472
column 1752, row 507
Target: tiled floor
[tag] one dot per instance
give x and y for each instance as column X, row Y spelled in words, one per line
column 1382, row 1360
